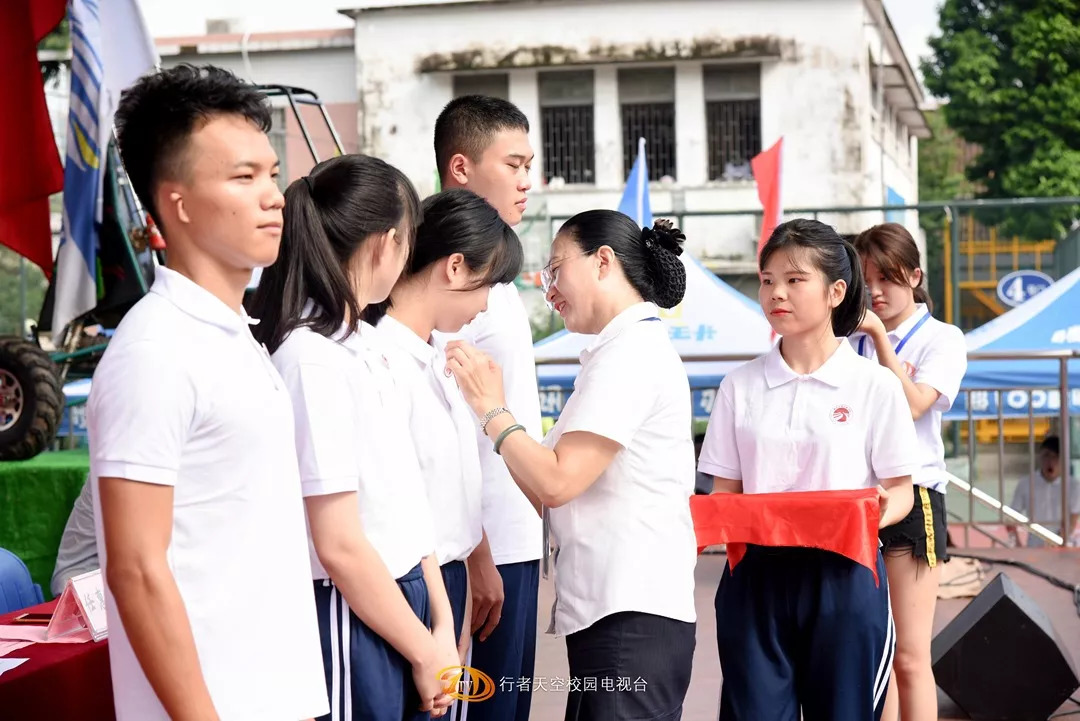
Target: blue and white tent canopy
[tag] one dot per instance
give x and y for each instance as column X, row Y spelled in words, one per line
column 713, row 319
column 1049, row 321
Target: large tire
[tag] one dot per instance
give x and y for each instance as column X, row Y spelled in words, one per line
column 31, row 400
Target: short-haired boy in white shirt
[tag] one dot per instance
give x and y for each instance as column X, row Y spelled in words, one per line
column 194, row 470
column 1039, row 497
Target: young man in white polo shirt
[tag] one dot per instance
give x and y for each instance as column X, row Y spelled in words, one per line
column 482, row 144
column 196, row 487
column 1039, row 497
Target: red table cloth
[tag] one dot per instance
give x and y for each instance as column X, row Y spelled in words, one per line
column 59, row 681
column 844, row 522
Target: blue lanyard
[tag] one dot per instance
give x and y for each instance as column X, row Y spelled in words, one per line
column 646, row 319
column 904, row 340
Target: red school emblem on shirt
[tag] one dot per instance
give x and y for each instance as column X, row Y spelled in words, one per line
column 841, row 414
column 909, row 369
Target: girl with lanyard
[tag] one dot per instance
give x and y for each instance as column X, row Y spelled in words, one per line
column 930, row 359
column 386, row 624
column 617, row 470
column 462, row 249
column 802, row 628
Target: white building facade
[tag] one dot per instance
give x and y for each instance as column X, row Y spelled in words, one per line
column 707, row 83
column 320, row 61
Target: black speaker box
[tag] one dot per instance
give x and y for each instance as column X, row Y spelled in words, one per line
column 1000, row 659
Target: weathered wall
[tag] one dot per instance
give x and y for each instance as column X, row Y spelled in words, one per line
column 815, row 91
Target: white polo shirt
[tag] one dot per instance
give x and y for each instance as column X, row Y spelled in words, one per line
column 933, row 353
column 186, row 397
column 627, row 543
column 842, row 427
column 78, row 552
column 1047, row 509
column 352, row 435
column 513, row 527
column 445, row 431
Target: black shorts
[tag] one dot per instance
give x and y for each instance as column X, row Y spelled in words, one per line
column 922, row 533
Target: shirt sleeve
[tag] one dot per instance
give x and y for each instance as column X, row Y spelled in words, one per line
column 140, row 413
column 611, row 399
column 327, row 437
column 720, row 450
column 943, row 367
column 1020, row 497
column 893, row 445
column 78, row 546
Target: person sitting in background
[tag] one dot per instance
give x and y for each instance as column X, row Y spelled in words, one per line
column 78, row 546
column 1039, row 497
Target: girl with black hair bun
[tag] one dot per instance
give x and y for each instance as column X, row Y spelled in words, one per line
column 798, row 628
column 616, row 471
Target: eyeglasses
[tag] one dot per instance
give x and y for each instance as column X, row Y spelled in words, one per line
column 549, row 277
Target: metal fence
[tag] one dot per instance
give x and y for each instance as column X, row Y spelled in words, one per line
column 969, row 244
column 985, row 510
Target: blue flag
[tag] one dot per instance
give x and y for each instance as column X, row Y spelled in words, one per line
column 110, row 49
column 635, row 199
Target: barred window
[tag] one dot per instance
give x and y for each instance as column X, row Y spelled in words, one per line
column 732, row 120
column 496, row 85
column 566, row 122
column 647, row 101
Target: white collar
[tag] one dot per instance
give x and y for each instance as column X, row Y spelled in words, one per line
column 832, row 372
column 355, row 342
column 404, row 337
column 631, row 315
column 904, row 328
column 198, row 302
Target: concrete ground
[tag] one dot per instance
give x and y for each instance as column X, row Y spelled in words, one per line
column 702, row 700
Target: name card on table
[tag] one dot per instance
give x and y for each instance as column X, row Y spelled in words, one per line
column 81, row 607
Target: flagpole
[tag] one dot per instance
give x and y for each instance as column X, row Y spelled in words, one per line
column 22, row 297
column 641, row 184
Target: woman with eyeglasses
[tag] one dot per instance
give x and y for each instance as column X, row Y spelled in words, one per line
column 617, row 470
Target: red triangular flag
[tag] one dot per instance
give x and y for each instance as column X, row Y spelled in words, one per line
column 767, row 172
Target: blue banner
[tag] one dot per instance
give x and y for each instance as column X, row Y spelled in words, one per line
column 553, row 399
column 1014, row 403
column 72, row 422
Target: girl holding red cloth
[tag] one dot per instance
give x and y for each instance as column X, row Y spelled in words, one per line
column 801, row 629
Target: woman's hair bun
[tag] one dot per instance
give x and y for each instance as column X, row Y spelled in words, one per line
column 663, row 234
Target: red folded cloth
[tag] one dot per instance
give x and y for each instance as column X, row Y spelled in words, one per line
column 844, row 522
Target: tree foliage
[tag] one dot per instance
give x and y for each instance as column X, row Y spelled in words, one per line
column 1010, row 73
column 941, row 178
column 59, row 40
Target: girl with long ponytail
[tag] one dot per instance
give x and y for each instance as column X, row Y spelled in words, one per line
column 386, row 623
